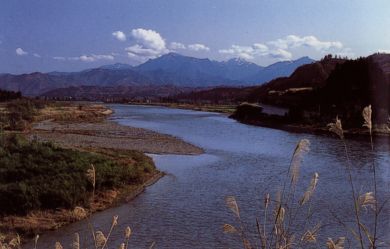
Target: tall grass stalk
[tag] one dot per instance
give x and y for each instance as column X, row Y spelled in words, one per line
column 337, row 128
column 277, row 232
column 367, row 116
column 91, row 176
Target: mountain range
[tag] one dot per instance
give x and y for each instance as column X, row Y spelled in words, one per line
column 170, row 69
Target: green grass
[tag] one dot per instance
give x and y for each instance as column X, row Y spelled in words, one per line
column 36, row 175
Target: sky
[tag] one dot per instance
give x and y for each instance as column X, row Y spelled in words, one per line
column 73, row 35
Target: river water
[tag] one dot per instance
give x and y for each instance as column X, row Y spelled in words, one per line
column 186, row 208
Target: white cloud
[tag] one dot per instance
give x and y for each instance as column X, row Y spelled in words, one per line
column 95, row 57
column 86, row 58
column 37, row 55
column 198, row 47
column 384, row 51
column 246, row 52
column 260, row 48
column 143, row 52
column 280, row 49
column 119, row 35
column 59, row 58
column 149, row 38
column 20, row 52
column 294, row 41
column 281, row 54
column 177, row 45
column 149, row 44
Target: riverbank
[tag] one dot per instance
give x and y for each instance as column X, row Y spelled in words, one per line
column 224, row 109
column 315, row 128
column 40, row 221
column 274, row 121
column 85, row 127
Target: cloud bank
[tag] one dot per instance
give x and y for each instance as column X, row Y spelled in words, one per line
column 86, row 58
column 294, row 41
column 198, row 47
column 282, row 49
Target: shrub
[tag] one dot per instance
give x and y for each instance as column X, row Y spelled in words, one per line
column 21, row 112
column 247, row 111
column 9, row 95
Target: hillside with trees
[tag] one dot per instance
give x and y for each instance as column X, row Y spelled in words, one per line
column 317, row 92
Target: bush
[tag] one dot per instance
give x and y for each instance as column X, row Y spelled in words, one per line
column 37, row 175
column 247, row 111
column 21, row 112
column 9, row 95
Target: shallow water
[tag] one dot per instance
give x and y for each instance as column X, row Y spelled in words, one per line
column 186, row 209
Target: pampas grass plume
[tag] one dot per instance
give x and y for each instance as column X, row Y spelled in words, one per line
column 79, row 213
column 339, row 244
column 367, row 200
column 58, row 245
column 337, row 128
column 227, row 228
column 76, row 241
column 300, row 150
column 127, row 232
column 310, row 190
column 367, row 113
column 231, row 203
column 100, row 239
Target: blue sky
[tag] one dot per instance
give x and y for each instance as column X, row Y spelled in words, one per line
column 71, row 35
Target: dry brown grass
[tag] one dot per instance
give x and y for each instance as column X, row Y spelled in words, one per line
column 67, row 112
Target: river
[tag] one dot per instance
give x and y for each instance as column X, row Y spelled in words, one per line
column 186, row 208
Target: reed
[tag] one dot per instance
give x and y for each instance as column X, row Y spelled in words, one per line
column 276, row 233
column 91, row 176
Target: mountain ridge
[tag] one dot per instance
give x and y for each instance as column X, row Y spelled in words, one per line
column 170, row 69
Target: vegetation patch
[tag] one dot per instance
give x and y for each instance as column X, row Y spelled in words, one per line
column 36, row 175
column 9, row 95
column 18, row 114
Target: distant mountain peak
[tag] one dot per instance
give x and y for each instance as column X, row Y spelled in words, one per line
column 239, row 61
column 173, row 54
column 305, row 59
column 117, row 66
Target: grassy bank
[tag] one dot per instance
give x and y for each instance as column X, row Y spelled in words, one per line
column 42, row 184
